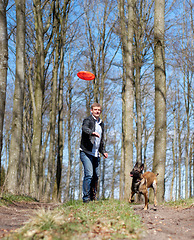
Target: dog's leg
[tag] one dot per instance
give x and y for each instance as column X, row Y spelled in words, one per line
column 131, row 196
column 146, row 199
column 155, row 191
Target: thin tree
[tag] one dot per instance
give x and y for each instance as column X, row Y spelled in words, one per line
column 187, row 50
column 179, row 132
column 3, row 68
column 128, row 88
column 60, row 122
column 39, row 80
column 115, row 159
column 53, row 109
column 142, row 29
column 17, row 121
column 69, row 133
column 62, row 24
column 174, row 157
column 160, row 97
column 42, row 47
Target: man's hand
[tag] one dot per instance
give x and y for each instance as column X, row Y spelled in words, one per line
column 105, row 155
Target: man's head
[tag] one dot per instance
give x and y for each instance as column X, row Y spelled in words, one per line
column 96, row 110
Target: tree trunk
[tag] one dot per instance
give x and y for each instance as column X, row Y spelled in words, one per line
column 186, row 51
column 51, row 177
column 122, row 166
column 60, row 126
column 103, row 177
column 63, row 20
column 127, row 48
column 3, row 69
column 80, row 179
column 174, row 159
column 115, row 157
column 179, row 145
column 190, row 168
column 52, row 145
column 160, row 97
column 17, row 122
column 27, row 134
column 69, row 124
column 187, row 98
column 192, row 164
column 138, row 111
column 36, row 163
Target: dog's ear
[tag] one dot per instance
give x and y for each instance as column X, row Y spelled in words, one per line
column 136, row 165
column 142, row 167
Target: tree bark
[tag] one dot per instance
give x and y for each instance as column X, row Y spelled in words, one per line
column 160, row 97
column 179, row 132
column 3, row 68
column 63, row 21
column 127, row 51
column 51, row 177
column 174, row 159
column 17, row 122
column 69, row 133
column 115, row 157
column 60, row 125
column 51, row 159
column 36, row 163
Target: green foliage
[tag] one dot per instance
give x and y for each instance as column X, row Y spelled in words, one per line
column 109, row 219
column 8, row 198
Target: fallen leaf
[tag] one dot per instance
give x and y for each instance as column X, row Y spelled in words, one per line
column 159, row 230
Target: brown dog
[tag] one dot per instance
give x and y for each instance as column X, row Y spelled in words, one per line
column 141, row 182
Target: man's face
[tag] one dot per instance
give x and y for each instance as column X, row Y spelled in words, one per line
column 96, row 111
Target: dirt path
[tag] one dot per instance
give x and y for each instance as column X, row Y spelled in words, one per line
column 163, row 223
column 166, row 223
column 15, row 215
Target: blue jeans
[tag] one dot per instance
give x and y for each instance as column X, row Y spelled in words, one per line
column 91, row 166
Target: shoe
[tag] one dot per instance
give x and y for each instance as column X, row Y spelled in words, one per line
column 86, row 201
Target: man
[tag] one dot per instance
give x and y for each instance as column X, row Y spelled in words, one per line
column 92, row 143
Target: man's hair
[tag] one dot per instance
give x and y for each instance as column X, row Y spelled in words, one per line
column 96, row 105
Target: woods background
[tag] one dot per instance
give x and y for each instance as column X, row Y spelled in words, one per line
column 141, row 52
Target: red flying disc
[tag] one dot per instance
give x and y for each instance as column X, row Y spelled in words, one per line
column 85, row 75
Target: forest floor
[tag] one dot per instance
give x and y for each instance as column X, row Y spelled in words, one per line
column 167, row 223
column 162, row 223
column 15, row 215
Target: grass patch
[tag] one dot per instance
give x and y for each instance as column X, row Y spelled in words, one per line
column 182, row 203
column 108, row 219
column 7, row 199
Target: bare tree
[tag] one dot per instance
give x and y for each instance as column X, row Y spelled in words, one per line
column 160, row 97
column 69, row 133
column 128, row 88
column 63, row 22
column 174, row 157
column 17, row 121
column 3, row 68
column 43, row 37
column 115, row 159
column 187, row 50
column 180, row 150
column 142, row 36
column 51, row 177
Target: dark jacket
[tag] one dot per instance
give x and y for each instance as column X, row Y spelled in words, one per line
column 88, row 127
